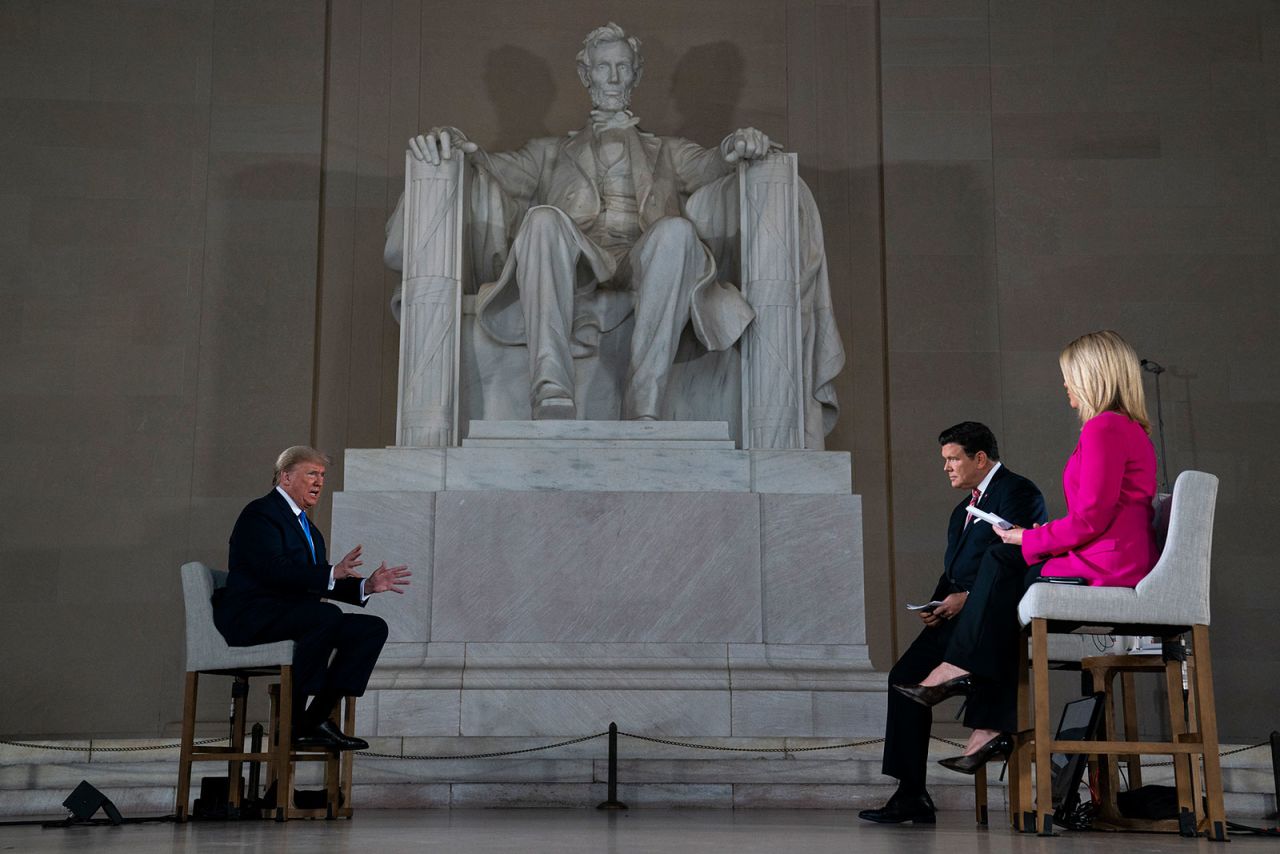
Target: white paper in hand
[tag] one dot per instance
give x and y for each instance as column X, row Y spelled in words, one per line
column 995, row 520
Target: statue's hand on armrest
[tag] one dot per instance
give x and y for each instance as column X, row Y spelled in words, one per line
column 438, row 144
column 746, row 144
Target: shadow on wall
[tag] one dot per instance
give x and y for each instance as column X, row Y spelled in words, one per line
column 521, row 89
column 705, row 89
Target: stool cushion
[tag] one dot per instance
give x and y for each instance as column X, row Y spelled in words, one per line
column 1176, row 591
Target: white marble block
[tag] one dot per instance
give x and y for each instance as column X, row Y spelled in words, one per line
column 570, row 574
column 395, row 527
column 812, row 569
column 392, row 469
column 597, row 566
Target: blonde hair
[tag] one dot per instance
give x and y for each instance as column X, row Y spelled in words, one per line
column 290, row 457
column 1102, row 372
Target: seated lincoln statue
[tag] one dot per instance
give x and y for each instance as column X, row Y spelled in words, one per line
column 571, row 235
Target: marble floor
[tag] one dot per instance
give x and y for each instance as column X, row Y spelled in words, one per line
column 530, row 831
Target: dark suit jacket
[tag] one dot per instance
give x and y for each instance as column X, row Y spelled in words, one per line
column 271, row 568
column 1010, row 496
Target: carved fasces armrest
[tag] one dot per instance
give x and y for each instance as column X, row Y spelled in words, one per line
column 431, row 301
column 772, row 357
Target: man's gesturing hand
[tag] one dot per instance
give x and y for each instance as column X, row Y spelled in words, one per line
column 346, row 568
column 386, row 578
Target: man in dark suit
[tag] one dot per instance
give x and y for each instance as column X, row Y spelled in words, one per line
column 971, row 460
column 279, row 573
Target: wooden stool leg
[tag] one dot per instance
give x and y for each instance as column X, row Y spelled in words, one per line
column 1108, row 768
column 348, row 757
column 1177, row 732
column 1208, row 716
column 980, row 795
column 1044, row 766
column 1193, row 725
column 239, row 702
column 188, row 742
column 273, row 734
column 283, row 725
column 1129, row 705
column 1019, row 791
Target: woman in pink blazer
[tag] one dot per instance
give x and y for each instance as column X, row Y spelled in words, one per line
column 1106, row 538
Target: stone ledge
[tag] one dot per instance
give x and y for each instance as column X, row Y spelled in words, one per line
column 588, row 464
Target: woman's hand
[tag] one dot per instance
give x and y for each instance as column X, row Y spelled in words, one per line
column 1012, row 536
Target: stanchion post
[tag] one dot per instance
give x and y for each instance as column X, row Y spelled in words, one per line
column 612, row 802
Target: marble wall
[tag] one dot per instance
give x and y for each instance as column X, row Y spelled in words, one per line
column 1054, row 168
column 191, row 206
column 159, row 180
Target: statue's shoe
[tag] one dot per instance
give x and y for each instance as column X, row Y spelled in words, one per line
column 555, row 409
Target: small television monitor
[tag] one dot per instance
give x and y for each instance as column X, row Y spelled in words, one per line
column 1081, row 720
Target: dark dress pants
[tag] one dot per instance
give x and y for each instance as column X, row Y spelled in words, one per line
column 986, row 636
column 907, row 726
column 322, row 631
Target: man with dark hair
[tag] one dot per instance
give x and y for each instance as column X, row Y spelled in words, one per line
column 971, row 460
column 278, row 575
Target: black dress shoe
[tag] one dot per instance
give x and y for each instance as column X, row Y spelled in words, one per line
column 327, row 736
column 932, row 695
column 1000, row 746
column 901, row 808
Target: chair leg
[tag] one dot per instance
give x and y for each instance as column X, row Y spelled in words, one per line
column 283, row 725
column 980, row 795
column 1129, row 705
column 1040, row 680
column 1217, row 829
column 239, row 702
column 1019, row 791
column 188, row 745
column 1108, row 765
column 1177, row 731
column 348, row 757
column 1193, row 725
column 333, row 765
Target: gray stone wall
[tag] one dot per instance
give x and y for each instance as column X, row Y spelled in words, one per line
column 178, row 299
column 159, row 179
column 1054, row 168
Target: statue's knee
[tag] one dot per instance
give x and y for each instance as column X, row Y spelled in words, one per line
column 673, row 228
column 542, row 218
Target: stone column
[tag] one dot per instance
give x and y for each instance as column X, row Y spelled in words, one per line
column 431, row 311
column 772, row 361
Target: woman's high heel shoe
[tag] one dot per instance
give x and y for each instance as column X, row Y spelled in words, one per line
column 1001, row 746
column 932, row 695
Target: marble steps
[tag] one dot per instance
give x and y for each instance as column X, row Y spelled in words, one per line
column 709, row 435
column 596, row 463
column 574, row 776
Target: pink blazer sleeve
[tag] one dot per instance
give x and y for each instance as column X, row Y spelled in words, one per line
column 1094, row 502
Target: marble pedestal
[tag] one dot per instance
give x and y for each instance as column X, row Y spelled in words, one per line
column 570, row 574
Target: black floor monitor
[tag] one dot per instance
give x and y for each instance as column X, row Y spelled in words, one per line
column 1081, row 721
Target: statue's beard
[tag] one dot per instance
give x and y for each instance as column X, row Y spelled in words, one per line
column 609, row 101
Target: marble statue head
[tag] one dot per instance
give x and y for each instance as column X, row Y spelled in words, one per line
column 610, row 65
